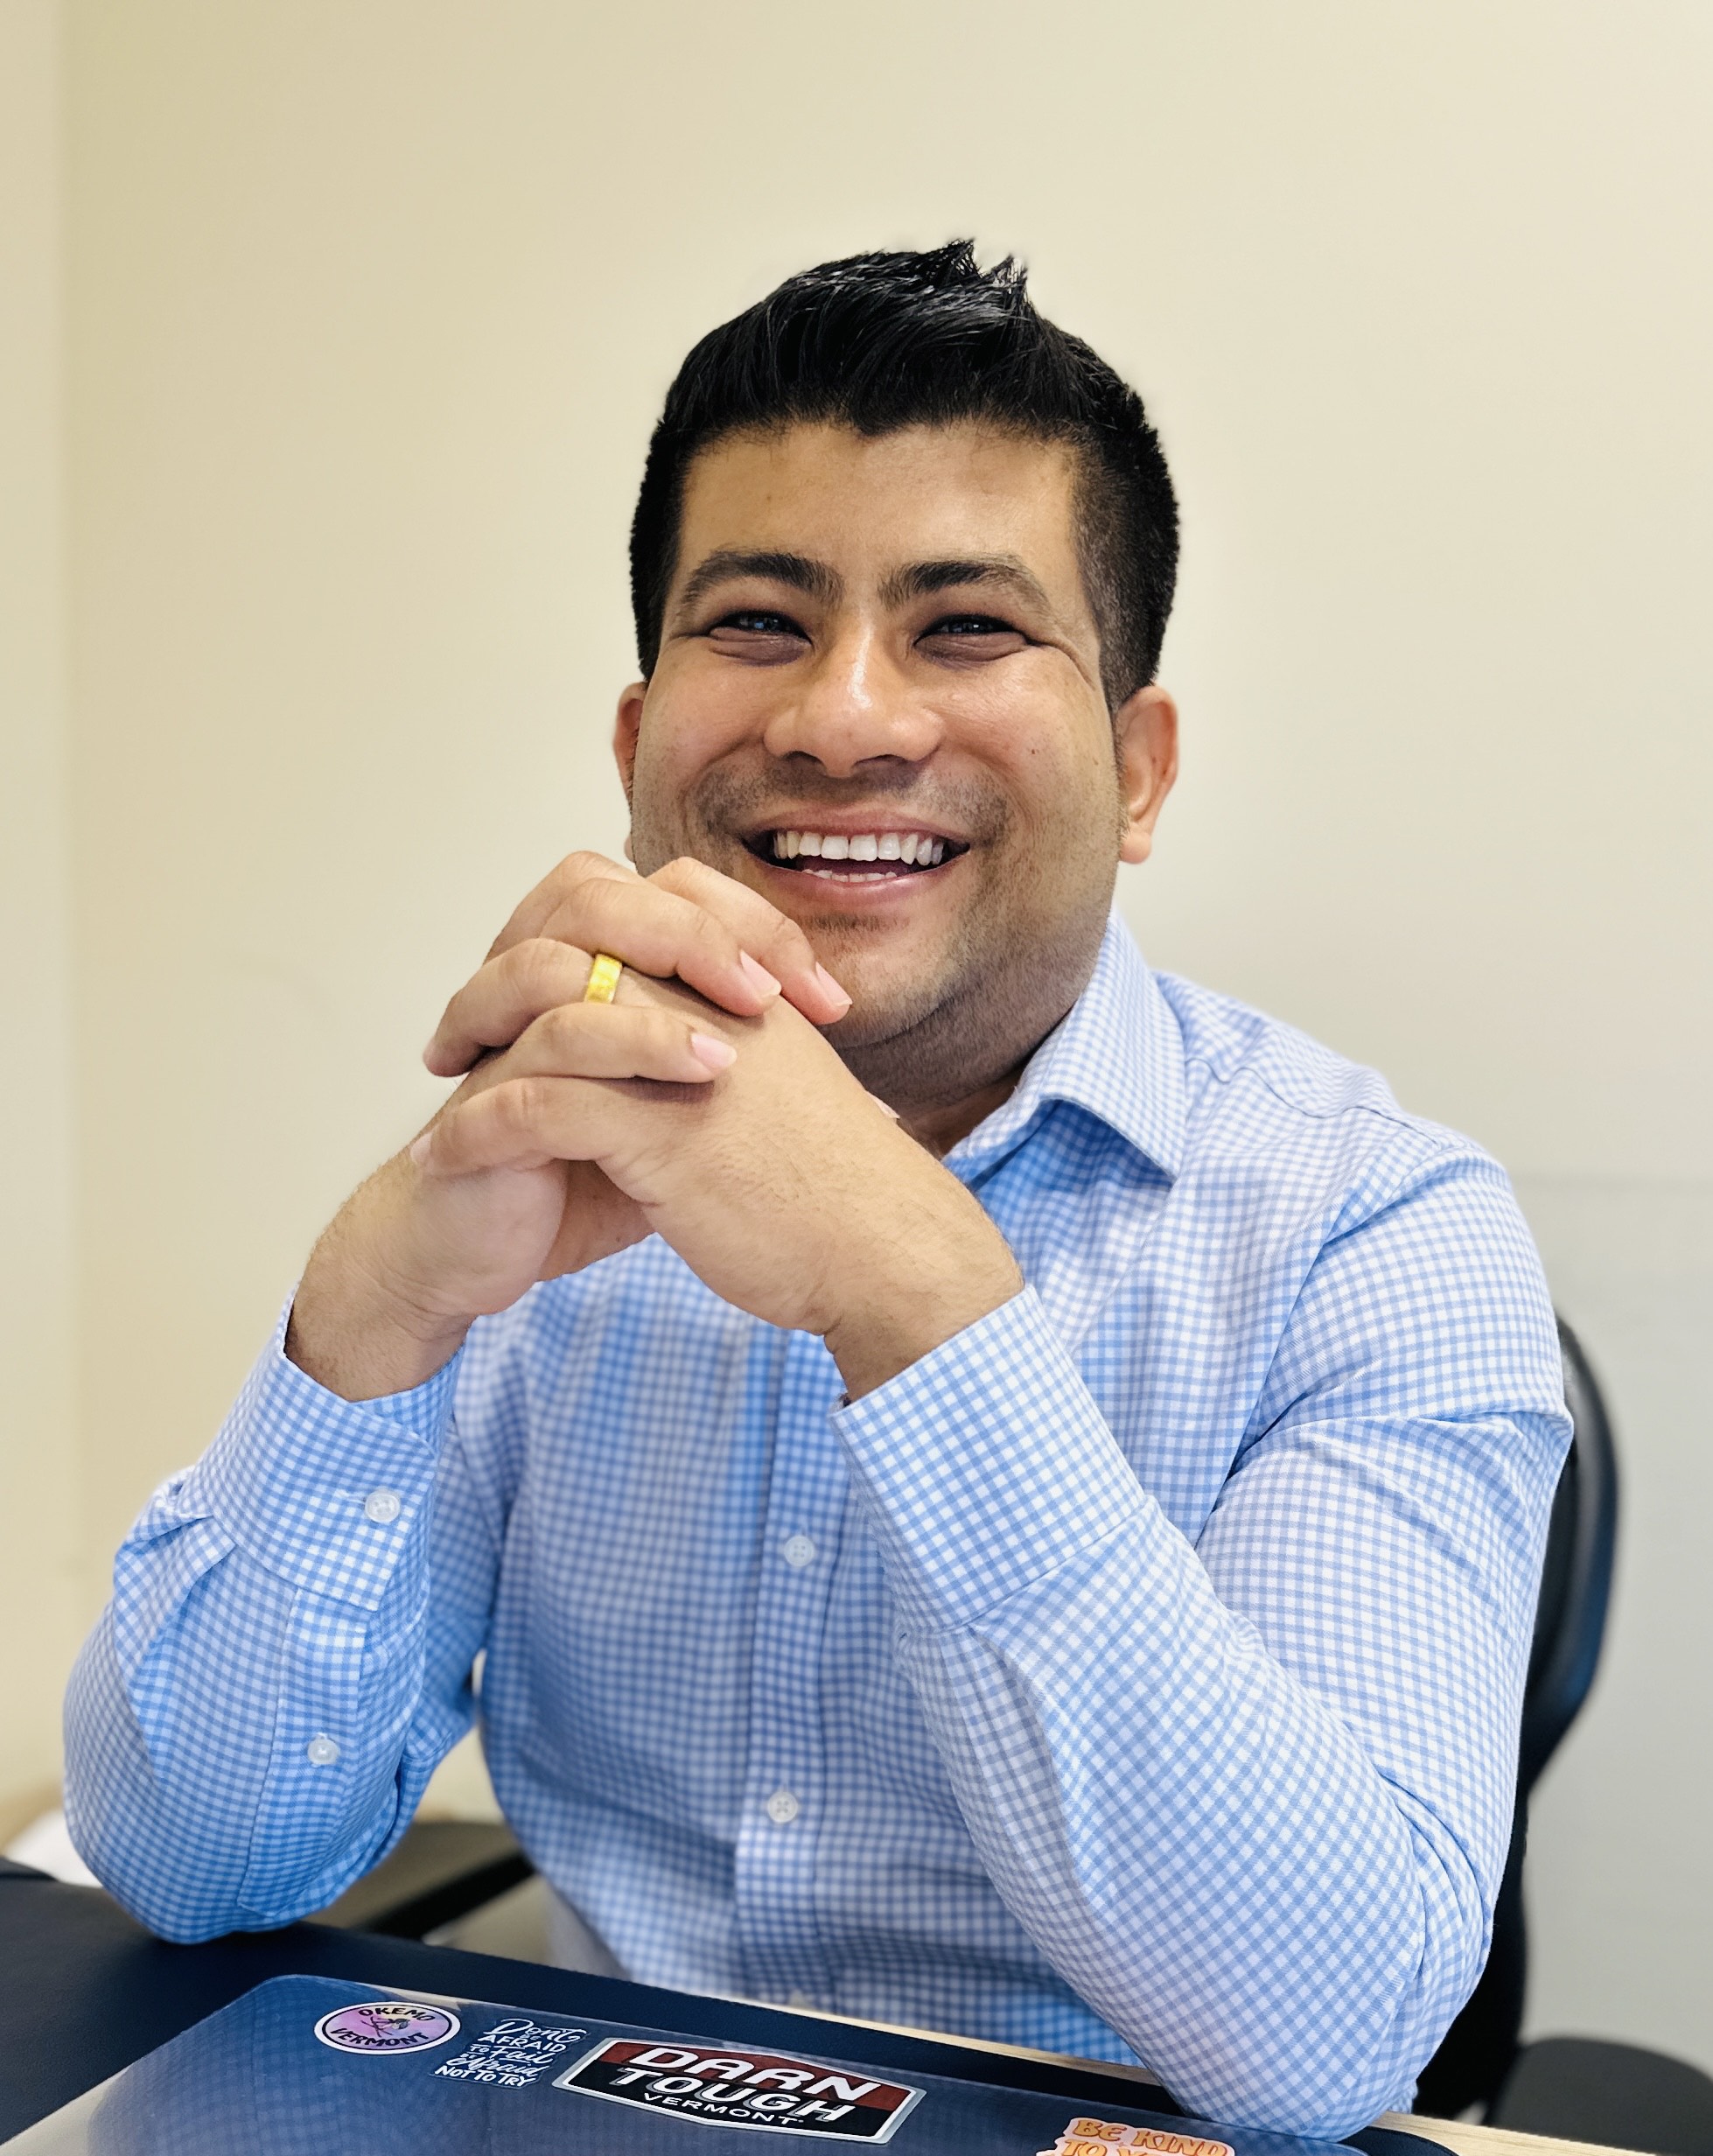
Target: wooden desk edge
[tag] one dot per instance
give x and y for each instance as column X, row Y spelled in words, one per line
column 1462, row 2138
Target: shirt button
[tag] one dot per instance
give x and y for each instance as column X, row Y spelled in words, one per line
column 798, row 1552
column 783, row 1807
column 321, row 1752
column 382, row 1507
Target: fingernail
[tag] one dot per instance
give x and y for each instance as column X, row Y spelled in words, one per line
column 885, row 1108
column 421, row 1147
column 717, row 1055
column 840, row 994
column 760, row 979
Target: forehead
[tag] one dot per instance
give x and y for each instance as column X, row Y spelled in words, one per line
column 867, row 503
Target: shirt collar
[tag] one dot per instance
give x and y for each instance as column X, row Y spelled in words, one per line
column 1117, row 1054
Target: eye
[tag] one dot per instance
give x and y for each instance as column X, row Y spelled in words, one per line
column 972, row 636
column 757, row 636
column 747, row 623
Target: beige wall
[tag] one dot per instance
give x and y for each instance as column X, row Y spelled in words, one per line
column 371, row 306
column 37, row 1431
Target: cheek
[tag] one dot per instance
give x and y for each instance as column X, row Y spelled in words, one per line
column 682, row 734
column 1061, row 780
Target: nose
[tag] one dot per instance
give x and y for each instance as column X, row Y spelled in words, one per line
column 850, row 705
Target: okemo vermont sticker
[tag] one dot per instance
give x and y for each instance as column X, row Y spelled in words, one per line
column 381, row 2026
column 759, row 2090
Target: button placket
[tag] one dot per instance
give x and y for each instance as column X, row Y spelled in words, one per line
column 777, row 1841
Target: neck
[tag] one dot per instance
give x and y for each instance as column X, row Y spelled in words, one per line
column 940, row 1127
column 954, row 1066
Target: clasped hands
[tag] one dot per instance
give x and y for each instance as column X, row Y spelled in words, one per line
column 703, row 1104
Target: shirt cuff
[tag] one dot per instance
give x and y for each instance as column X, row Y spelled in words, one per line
column 322, row 1491
column 985, row 1465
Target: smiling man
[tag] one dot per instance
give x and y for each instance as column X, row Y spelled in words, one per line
column 997, row 1490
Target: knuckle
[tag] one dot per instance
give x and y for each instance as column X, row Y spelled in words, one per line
column 537, row 965
column 567, row 1026
column 668, row 1035
column 518, row 1104
column 710, row 930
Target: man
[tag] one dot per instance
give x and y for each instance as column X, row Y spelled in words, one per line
column 1053, row 1561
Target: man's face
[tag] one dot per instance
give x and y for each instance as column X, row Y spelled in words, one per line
column 883, row 646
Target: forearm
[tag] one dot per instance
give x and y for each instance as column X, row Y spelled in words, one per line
column 265, row 1696
column 208, row 1814
column 1261, row 1885
column 1201, row 1849
column 353, row 1327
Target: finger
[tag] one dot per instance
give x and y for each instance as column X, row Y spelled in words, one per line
column 611, row 1041
column 523, row 1122
column 576, row 870
column 508, row 993
column 660, row 933
column 764, row 931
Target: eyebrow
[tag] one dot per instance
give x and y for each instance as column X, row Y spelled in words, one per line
column 917, row 580
column 727, row 564
column 922, row 579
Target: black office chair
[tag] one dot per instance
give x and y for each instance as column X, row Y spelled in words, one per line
column 1481, row 2046
column 1574, row 2088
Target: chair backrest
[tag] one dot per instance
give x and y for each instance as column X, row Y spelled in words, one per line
column 1481, row 2046
column 1576, row 1580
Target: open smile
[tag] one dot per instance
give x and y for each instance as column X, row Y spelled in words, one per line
column 856, row 857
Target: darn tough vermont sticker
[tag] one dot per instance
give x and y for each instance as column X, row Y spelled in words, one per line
column 757, row 2090
column 387, row 2024
column 1097, row 2136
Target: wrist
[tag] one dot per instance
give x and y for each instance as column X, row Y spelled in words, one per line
column 357, row 1334
column 915, row 1308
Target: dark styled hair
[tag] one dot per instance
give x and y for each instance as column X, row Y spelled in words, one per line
column 880, row 342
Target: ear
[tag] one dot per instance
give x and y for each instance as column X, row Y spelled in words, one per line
column 1145, row 735
column 626, row 728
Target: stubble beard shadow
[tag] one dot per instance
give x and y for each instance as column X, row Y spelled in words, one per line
column 992, row 1001
column 989, row 1013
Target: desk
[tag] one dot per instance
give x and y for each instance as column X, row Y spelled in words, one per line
column 84, row 1990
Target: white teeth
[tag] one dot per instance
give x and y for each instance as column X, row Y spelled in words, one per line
column 916, row 849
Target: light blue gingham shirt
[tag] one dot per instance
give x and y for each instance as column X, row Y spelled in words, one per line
column 1137, row 1675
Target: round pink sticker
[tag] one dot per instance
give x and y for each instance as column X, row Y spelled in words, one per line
column 387, row 2024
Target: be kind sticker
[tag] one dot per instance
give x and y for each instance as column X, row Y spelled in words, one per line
column 377, row 2026
column 1100, row 2137
column 761, row 2091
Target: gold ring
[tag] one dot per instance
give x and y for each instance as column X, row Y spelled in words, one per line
column 603, row 978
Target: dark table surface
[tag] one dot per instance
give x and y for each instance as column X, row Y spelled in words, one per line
column 84, row 1990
